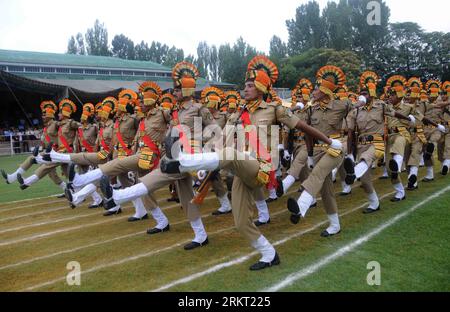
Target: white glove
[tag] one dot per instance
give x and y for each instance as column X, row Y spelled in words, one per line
column 350, row 156
column 362, row 98
column 310, row 162
column 286, row 156
column 412, row 119
column 201, row 174
column 441, row 128
column 280, row 147
column 300, row 105
column 336, row 144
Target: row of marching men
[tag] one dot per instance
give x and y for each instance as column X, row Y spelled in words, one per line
column 328, row 131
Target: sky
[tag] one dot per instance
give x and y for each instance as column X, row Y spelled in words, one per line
column 47, row 25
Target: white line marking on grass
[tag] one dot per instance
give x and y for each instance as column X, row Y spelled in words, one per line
column 122, row 261
column 119, row 261
column 45, row 197
column 28, row 199
column 242, row 259
column 290, row 279
column 33, row 205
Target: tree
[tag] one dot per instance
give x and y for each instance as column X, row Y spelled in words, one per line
column 307, row 64
column 278, row 49
column 123, row 47
column 80, row 43
column 174, row 56
column 76, row 45
column 72, row 46
column 233, row 61
column 307, row 30
column 338, row 27
column 97, row 40
column 214, row 64
column 142, row 51
column 203, row 59
column 434, row 58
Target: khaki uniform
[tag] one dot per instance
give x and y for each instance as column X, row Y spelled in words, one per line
column 329, row 119
column 183, row 182
column 413, row 151
column 100, row 157
column 143, row 160
column 432, row 134
column 127, row 125
column 68, row 128
column 50, row 132
column 245, row 183
column 299, row 168
column 217, row 184
column 444, row 146
column 89, row 132
column 368, row 121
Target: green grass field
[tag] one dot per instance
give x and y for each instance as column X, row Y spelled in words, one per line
column 39, row 237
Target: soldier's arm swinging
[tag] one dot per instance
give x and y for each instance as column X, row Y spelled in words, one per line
column 314, row 133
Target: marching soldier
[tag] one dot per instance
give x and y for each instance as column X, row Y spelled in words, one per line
column 326, row 115
column 418, row 139
column 367, row 126
column 184, row 75
column 432, row 133
column 298, row 168
column 212, row 98
column 67, row 130
column 253, row 167
column 49, row 136
column 445, row 145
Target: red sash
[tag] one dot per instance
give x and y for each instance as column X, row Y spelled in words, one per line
column 183, row 138
column 121, row 141
column 47, row 137
column 64, row 141
column 84, row 142
column 102, row 141
column 149, row 143
column 260, row 149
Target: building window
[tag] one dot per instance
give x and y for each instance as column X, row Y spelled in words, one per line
column 2, row 67
column 15, row 68
column 160, row 74
column 32, row 69
column 76, row 71
column 127, row 73
column 47, row 69
column 63, row 70
column 116, row 72
column 150, row 74
column 90, row 71
column 103, row 72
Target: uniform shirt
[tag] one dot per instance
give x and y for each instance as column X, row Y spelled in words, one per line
column 264, row 116
column 90, row 132
column 107, row 135
column 445, row 115
column 189, row 111
column 155, row 122
column 369, row 119
column 431, row 110
column 128, row 125
column 52, row 132
column 69, row 131
column 404, row 109
column 329, row 118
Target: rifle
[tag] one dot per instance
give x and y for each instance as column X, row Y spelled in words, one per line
column 207, row 182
